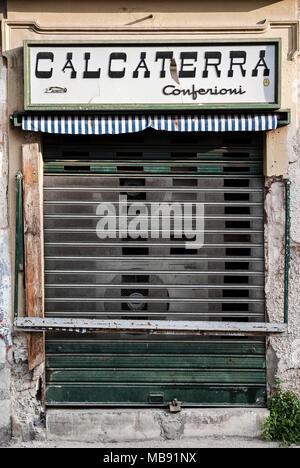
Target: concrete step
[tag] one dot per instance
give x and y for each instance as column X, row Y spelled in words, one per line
column 129, row 425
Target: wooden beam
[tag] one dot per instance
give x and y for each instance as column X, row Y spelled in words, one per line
column 166, row 327
column 33, row 246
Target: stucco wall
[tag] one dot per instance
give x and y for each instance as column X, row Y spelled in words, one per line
column 165, row 12
column 5, row 271
column 77, row 20
column 284, row 352
column 258, row 19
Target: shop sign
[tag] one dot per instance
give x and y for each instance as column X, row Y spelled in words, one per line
column 109, row 76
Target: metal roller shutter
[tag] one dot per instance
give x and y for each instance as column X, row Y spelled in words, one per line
column 155, row 278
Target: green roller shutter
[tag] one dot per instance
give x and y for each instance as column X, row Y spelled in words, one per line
column 154, row 278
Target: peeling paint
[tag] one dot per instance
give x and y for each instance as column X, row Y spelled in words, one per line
column 173, row 71
column 5, row 335
column 6, row 355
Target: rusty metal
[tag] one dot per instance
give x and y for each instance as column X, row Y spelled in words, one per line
column 19, row 247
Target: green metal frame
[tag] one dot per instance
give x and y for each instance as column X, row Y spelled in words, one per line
column 19, row 240
column 136, row 107
column 287, row 249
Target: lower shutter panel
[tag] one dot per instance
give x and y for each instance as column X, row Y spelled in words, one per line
column 155, row 278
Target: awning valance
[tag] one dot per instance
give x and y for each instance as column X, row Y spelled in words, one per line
column 117, row 124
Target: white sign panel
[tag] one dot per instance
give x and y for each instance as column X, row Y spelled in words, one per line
column 126, row 76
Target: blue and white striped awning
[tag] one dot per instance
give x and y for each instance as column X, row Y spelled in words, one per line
column 117, row 124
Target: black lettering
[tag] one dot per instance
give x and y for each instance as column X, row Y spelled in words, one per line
column 87, row 73
column 43, row 56
column 261, row 63
column 212, row 56
column 165, row 90
column 187, row 73
column 170, row 90
column 116, row 56
column 69, row 65
column 142, row 64
column 238, row 54
column 163, row 56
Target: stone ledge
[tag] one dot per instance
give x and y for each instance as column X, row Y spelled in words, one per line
column 126, row 425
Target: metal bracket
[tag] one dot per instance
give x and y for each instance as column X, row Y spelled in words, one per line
column 175, row 406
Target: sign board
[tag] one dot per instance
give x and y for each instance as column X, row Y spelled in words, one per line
column 124, row 76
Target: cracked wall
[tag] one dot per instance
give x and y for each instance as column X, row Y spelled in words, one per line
column 21, row 413
column 283, row 353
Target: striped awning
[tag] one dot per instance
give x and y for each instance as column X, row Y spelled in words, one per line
column 117, row 124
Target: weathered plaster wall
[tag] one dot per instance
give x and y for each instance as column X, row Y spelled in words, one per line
column 175, row 12
column 27, row 411
column 284, row 351
column 168, row 19
column 283, row 355
column 5, row 273
column 261, row 19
